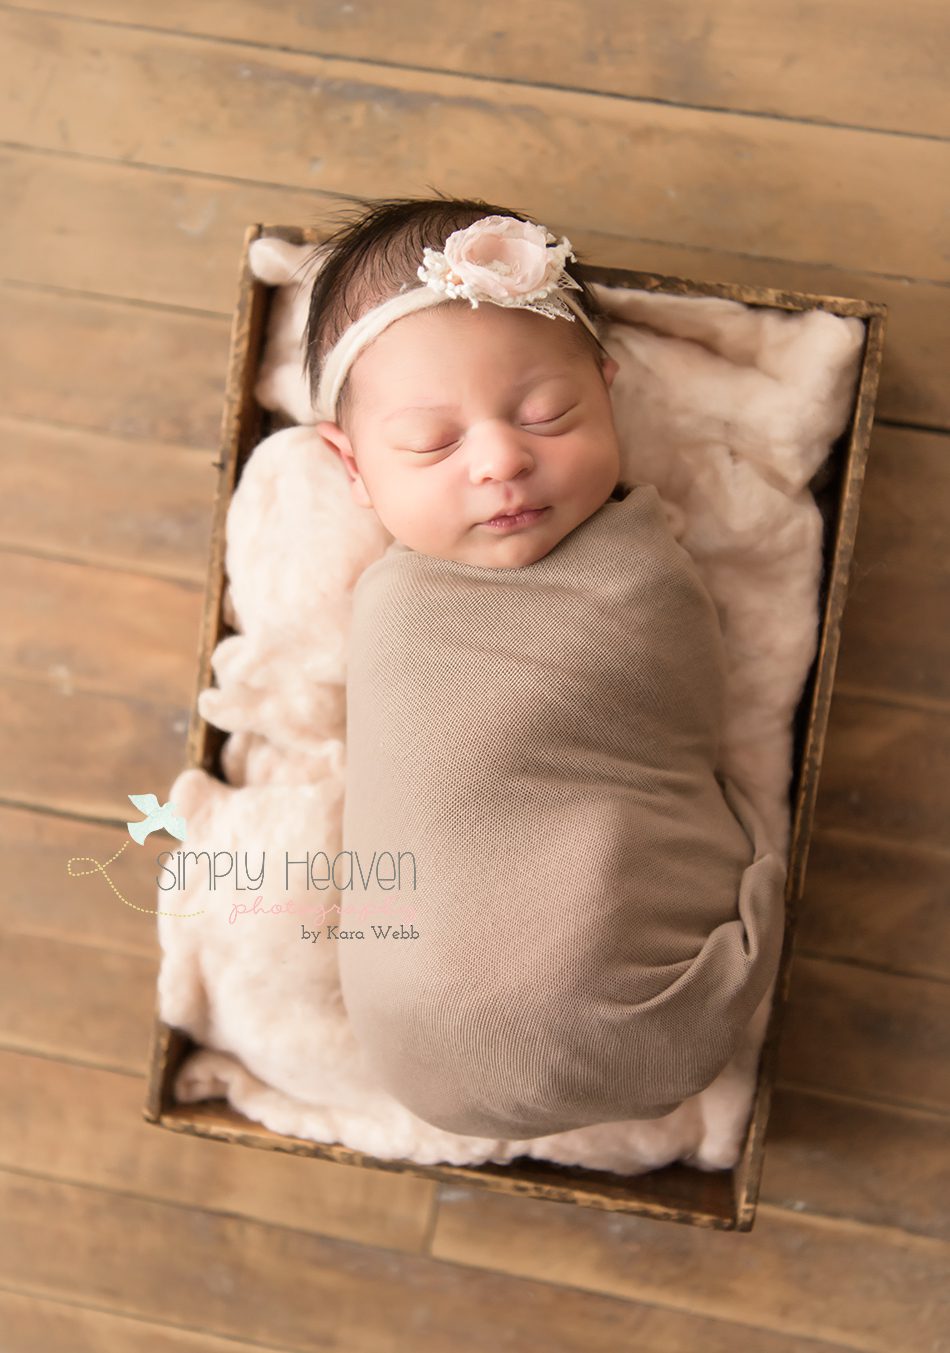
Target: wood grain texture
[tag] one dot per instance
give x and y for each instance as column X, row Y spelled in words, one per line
column 31, row 1322
column 100, row 630
column 81, row 1004
column 133, row 232
column 883, row 760
column 876, row 902
column 846, row 1158
column 290, row 1289
column 669, row 172
column 896, row 632
column 827, row 1155
column 874, row 1035
column 110, row 1147
column 809, row 1277
column 40, row 898
column 105, row 366
column 111, row 501
column 79, row 752
column 776, row 60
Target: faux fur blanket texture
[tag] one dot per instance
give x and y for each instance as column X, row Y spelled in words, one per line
column 728, row 411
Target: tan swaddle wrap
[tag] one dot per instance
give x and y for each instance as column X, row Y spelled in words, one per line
column 598, row 914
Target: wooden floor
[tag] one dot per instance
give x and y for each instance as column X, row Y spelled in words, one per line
column 789, row 144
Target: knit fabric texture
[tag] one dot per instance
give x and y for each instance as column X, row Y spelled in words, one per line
column 598, row 910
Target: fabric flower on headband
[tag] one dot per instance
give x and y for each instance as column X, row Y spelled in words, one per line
column 505, row 261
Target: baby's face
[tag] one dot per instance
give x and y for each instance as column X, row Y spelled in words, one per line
column 462, row 416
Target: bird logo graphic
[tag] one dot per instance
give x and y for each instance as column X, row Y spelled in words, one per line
column 157, row 816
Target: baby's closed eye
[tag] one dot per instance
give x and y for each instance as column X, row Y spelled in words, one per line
column 543, row 419
column 551, row 418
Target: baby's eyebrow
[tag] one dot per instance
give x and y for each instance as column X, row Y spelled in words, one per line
column 536, row 373
column 418, row 408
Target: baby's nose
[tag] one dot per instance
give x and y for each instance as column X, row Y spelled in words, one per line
column 500, row 451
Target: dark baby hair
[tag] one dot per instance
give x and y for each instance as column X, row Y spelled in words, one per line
column 376, row 248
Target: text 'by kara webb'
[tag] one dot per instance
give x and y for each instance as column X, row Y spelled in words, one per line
column 244, row 870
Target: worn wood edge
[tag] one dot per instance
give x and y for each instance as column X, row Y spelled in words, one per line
column 197, row 750
column 246, row 337
column 216, row 1119
column 582, row 1187
column 838, row 584
column 749, row 1170
column 849, row 306
column 167, row 1050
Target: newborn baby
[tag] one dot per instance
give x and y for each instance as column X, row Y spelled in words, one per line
column 534, row 699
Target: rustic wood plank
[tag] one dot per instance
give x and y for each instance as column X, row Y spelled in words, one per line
column 126, row 230
column 876, row 1035
column 83, row 753
column 847, row 1158
column 132, row 371
column 280, row 1286
column 99, row 629
column 30, row 1322
column 309, row 122
column 914, row 388
column 869, row 1287
column 780, row 61
column 904, row 503
column 110, row 1146
column 896, row 631
column 675, row 1194
column 886, row 770
column 76, row 1002
column 41, row 899
column 136, row 505
column 877, row 902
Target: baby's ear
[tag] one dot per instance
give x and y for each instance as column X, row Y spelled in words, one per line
column 338, row 441
column 609, row 368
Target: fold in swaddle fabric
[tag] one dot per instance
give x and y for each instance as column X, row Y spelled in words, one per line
column 597, row 912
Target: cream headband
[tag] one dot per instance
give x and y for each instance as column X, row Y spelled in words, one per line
column 498, row 259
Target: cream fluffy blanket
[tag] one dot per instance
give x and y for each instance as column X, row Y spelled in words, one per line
column 729, row 410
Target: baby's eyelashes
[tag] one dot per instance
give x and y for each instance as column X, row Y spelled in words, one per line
column 539, row 422
column 529, row 423
column 428, row 450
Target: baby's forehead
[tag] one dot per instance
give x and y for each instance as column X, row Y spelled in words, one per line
column 452, row 345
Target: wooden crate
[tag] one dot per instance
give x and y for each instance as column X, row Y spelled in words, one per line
column 724, row 1200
